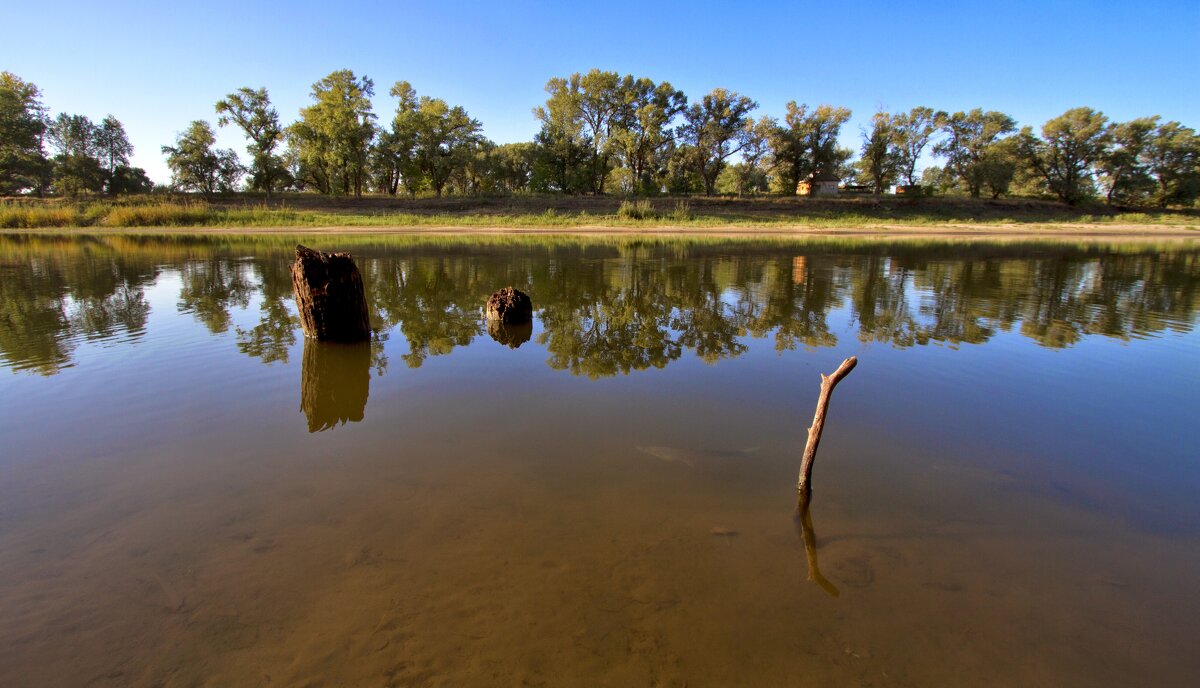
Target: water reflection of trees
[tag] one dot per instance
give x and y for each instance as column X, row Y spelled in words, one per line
column 211, row 287
column 275, row 332
column 607, row 310
column 49, row 302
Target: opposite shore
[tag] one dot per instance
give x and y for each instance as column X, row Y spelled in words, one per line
column 886, row 217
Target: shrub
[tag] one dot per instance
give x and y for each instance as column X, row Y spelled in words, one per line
column 636, row 210
column 682, row 211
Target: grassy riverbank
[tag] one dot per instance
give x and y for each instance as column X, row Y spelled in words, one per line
column 702, row 213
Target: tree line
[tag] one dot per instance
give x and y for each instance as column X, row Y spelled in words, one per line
column 84, row 156
column 603, row 133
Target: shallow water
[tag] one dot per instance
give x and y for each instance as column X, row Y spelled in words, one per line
column 192, row 494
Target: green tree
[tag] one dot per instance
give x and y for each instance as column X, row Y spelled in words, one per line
column 680, row 174
column 999, row 165
column 750, row 175
column 196, row 165
column 912, row 132
column 73, row 135
column 332, row 140
column 512, row 166
column 1122, row 172
column 644, row 128
column 806, row 143
column 936, row 179
column 880, row 159
column 968, row 138
column 444, row 141
column 715, row 128
column 76, row 167
column 113, row 150
column 1071, row 146
column 396, row 148
column 251, row 111
column 1171, row 156
column 565, row 146
column 23, row 118
column 477, row 174
column 562, row 144
column 129, row 180
column 594, row 103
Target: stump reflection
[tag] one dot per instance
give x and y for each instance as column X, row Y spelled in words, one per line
column 511, row 336
column 335, row 381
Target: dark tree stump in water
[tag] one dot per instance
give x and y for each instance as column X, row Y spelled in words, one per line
column 335, row 382
column 510, row 306
column 512, row 336
column 329, row 295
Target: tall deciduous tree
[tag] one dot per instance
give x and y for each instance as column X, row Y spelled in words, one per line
column 112, row 151
column 196, row 165
column 76, row 166
column 563, row 144
column 750, row 175
column 644, row 127
column 332, row 140
column 112, row 145
column 715, row 127
column 445, row 140
column 252, row 112
column 429, row 142
column 1122, row 172
column 806, row 143
column 912, row 132
column 1071, row 146
column 880, row 159
column 395, row 148
column 22, row 128
column 969, row 135
column 591, row 103
column 1171, row 157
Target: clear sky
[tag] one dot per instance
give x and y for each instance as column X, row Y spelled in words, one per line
column 158, row 65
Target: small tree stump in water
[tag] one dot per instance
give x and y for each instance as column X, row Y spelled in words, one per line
column 828, row 382
column 510, row 306
column 329, row 295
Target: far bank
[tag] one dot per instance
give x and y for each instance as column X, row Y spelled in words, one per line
column 890, row 214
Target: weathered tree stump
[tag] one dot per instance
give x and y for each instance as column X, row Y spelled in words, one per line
column 329, row 295
column 512, row 336
column 828, row 382
column 510, row 306
column 335, row 382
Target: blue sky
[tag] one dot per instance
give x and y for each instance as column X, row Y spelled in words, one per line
column 157, row 66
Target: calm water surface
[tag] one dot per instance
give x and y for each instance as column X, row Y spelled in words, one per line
column 193, row 494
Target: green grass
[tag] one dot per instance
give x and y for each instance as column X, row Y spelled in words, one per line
column 310, row 211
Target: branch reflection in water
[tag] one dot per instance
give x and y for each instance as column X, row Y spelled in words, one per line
column 808, row 537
